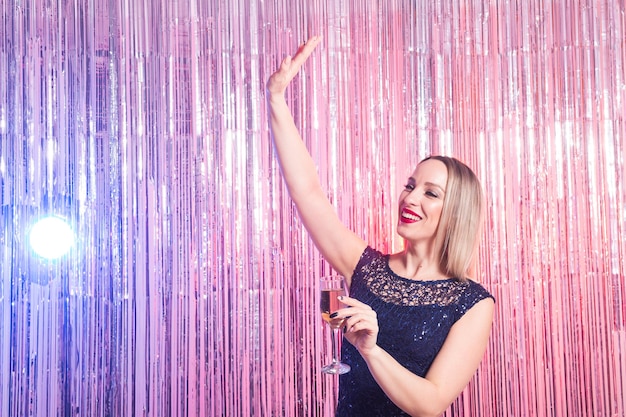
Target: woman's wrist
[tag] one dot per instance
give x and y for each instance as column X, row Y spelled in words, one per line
column 275, row 97
column 371, row 353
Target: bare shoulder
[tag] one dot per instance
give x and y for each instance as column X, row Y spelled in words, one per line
column 482, row 311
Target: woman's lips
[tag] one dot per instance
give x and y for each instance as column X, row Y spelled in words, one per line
column 408, row 216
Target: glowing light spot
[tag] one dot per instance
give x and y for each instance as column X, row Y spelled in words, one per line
column 51, row 237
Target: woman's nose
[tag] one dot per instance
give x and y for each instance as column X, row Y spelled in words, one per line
column 412, row 197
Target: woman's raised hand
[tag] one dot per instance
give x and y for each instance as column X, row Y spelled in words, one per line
column 290, row 66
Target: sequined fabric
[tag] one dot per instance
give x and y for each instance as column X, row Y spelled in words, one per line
column 414, row 319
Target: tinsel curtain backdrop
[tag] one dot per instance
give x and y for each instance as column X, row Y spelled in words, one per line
column 192, row 288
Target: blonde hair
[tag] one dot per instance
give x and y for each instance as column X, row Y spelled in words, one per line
column 460, row 225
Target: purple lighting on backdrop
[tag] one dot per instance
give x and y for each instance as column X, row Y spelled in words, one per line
column 192, row 288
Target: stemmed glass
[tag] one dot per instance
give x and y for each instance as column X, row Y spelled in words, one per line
column 332, row 287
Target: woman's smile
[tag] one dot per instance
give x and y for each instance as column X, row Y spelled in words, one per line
column 408, row 216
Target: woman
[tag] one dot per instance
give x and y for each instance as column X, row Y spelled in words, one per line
column 417, row 326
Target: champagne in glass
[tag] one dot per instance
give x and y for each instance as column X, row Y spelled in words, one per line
column 332, row 287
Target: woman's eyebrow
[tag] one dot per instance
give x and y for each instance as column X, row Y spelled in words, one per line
column 432, row 184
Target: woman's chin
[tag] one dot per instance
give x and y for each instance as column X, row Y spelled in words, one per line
column 402, row 231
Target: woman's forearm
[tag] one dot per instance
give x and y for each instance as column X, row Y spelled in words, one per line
column 413, row 394
column 296, row 164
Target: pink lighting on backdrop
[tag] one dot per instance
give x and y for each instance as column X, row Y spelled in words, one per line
column 191, row 287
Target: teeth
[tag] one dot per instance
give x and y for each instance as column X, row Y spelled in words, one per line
column 410, row 216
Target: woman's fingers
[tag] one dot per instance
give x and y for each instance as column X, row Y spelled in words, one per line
column 353, row 302
column 290, row 66
column 361, row 324
column 358, row 315
column 305, row 50
column 362, row 317
column 284, row 66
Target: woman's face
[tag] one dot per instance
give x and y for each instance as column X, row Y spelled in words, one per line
column 421, row 202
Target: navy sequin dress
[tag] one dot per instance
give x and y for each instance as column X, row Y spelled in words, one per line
column 414, row 318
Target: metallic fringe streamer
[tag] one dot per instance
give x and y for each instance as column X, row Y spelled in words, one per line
column 193, row 287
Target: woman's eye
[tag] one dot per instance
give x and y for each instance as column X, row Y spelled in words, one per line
column 409, row 187
column 431, row 194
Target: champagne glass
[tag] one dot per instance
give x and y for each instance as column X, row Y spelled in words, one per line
column 332, row 287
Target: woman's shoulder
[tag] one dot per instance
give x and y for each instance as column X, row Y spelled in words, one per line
column 474, row 292
column 371, row 261
column 475, row 287
column 368, row 256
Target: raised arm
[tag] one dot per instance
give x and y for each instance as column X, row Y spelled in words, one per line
column 337, row 244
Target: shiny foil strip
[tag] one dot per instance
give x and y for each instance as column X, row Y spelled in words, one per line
column 192, row 288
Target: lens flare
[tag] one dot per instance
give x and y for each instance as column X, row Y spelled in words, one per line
column 51, row 237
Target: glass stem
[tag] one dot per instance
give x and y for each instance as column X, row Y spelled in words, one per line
column 336, row 345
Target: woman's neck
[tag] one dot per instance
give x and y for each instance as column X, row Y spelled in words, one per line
column 416, row 263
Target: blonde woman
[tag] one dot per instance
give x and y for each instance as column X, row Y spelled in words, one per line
column 417, row 326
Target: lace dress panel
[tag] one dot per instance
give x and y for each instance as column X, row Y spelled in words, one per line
column 393, row 289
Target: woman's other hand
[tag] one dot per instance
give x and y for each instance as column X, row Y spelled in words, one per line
column 361, row 325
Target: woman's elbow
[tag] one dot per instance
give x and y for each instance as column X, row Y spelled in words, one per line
column 434, row 408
